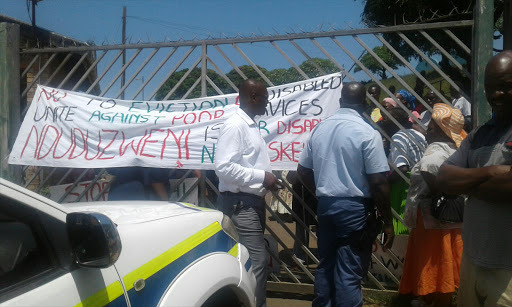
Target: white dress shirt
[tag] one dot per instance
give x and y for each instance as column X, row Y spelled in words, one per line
column 463, row 105
column 241, row 156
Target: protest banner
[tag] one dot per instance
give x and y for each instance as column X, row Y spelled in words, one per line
column 399, row 250
column 71, row 129
column 176, row 191
column 57, row 191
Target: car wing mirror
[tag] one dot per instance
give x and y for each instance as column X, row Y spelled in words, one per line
column 94, row 239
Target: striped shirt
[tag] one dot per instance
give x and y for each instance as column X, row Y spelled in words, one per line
column 404, row 150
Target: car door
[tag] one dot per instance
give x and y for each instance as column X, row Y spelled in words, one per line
column 36, row 264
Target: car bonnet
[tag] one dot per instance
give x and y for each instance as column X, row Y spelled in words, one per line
column 132, row 212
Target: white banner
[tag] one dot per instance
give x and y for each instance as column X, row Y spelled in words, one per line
column 57, row 191
column 177, row 191
column 71, row 129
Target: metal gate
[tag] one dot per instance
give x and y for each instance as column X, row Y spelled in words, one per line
column 185, row 69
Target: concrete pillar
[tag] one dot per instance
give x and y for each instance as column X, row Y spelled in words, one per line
column 483, row 31
column 9, row 97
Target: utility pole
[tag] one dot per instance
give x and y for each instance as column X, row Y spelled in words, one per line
column 124, row 50
column 507, row 25
column 34, row 2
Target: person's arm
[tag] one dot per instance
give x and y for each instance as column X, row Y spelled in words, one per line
column 395, row 176
column 498, row 189
column 305, row 167
column 308, row 177
column 457, row 180
column 379, row 189
column 228, row 151
column 376, row 166
column 455, row 175
column 160, row 190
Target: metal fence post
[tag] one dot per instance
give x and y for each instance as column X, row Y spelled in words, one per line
column 483, row 30
column 9, row 96
column 507, row 25
column 203, row 70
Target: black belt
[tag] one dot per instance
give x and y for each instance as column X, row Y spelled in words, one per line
column 243, row 194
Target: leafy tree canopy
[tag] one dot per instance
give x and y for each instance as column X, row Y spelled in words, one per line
column 277, row 76
column 392, row 12
column 188, row 82
column 398, row 12
column 374, row 66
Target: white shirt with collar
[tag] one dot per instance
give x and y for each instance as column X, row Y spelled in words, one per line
column 463, row 105
column 241, row 156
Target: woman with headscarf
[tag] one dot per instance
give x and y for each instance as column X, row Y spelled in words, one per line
column 406, row 98
column 409, row 101
column 434, row 249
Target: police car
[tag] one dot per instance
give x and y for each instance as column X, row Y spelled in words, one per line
column 118, row 254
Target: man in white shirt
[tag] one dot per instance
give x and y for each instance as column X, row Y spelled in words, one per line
column 243, row 166
column 459, row 102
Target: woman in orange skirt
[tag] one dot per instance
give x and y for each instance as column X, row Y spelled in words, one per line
column 434, row 250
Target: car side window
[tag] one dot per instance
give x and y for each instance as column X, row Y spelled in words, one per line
column 24, row 252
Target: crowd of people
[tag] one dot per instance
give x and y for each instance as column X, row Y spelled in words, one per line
column 410, row 156
column 416, row 148
column 456, row 181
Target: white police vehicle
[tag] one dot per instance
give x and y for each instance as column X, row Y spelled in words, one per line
column 118, row 254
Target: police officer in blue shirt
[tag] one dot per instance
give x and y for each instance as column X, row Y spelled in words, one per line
column 345, row 158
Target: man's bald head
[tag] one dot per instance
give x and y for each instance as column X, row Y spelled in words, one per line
column 353, row 95
column 253, row 97
column 374, row 91
column 498, row 85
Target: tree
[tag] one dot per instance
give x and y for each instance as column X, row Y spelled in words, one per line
column 249, row 72
column 187, row 84
column 310, row 69
column 280, row 76
column 379, row 13
column 277, row 76
column 371, row 63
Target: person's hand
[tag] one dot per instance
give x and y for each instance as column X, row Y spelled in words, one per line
column 498, row 170
column 389, row 236
column 270, row 182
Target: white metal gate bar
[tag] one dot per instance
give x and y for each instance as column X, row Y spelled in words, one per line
column 89, row 70
column 103, row 74
column 412, row 69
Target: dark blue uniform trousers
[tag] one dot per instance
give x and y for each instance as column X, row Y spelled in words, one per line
column 342, row 265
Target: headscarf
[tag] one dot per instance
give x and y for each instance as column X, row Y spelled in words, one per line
column 451, row 121
column 391, row 101
column 409, row 98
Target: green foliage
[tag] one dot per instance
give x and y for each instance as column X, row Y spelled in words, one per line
column 310, row 69
column 282, row 76
column 188, row 82
column 277, row 76
column 379, row 13
column 248, row 71
column 374, row 66
column 433, row 77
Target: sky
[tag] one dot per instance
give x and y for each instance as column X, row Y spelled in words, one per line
column 100, row 21
column 156, row 20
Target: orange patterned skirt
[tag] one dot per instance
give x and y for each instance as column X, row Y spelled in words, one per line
column 432, row 261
